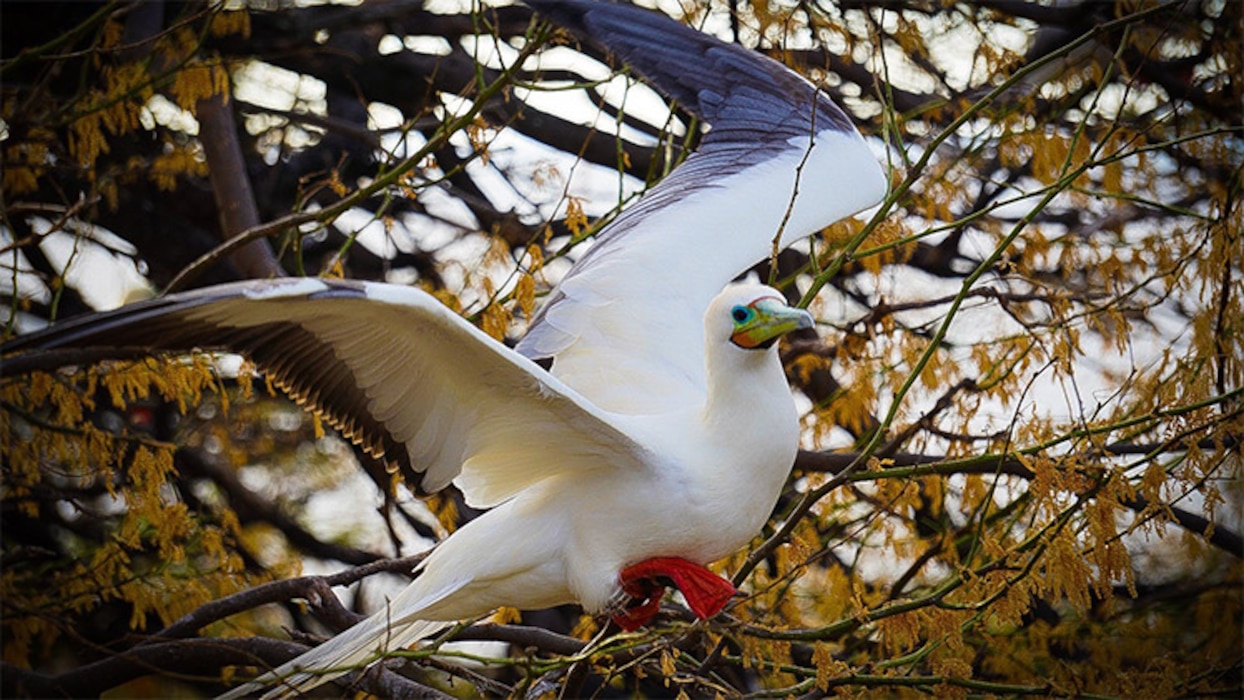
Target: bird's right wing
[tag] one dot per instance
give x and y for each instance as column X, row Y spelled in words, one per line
column 780, row 161
column 389, row 366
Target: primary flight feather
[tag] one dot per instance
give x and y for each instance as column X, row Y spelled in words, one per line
column 661, row 437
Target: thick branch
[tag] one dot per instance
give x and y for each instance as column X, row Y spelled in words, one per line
column 200, row 657
column 524, row 637
column 232, row 187
column 313, row 588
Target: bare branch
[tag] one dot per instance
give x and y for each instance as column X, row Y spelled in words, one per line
column 231, row 185
column 197, row 659
column 316, row 589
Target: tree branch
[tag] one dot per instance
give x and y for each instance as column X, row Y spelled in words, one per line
column 200, row 659
column 835, row 462
column 232, row 187
column 316, row 589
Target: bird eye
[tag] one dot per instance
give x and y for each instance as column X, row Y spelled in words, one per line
column 740, row 313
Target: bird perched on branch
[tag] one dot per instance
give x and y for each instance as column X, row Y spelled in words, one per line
column 661, row 436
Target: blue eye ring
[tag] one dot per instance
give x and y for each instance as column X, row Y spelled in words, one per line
column 741, row 314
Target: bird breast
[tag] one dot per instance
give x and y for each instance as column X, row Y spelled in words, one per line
column 710, row 496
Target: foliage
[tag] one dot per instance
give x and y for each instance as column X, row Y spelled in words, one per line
column 1022, row 406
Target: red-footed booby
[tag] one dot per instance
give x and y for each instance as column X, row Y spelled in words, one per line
column 660, row 438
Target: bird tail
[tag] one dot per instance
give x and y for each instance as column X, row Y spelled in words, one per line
column 353, row 649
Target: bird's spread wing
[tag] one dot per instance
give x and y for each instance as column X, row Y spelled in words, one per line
column 624, row 327
column 392, row 368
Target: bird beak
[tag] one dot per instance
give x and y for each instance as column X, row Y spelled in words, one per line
column 772, row 320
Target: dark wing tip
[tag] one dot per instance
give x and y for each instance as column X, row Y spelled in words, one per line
column 720, row 82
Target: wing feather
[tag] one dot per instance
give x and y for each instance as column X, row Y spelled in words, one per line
column 389, row 366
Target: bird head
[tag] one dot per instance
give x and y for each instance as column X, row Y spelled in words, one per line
column 754, row 316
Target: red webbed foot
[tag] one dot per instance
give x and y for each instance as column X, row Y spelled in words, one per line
column 645, row 583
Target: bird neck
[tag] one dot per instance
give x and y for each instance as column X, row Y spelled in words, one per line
column 751, row 423
column 742, row 386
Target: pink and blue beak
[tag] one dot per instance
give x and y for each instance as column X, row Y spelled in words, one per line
column 759, row 324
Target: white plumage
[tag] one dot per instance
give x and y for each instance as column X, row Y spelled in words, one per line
column 665, row 427
column 599, row 491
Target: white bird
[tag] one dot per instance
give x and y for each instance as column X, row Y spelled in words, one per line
column 660, row 439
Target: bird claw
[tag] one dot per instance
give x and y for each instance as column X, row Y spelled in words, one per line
column 644, row 584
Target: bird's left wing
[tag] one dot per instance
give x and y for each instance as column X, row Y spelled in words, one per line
column 389, row 366
column 779, row 162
